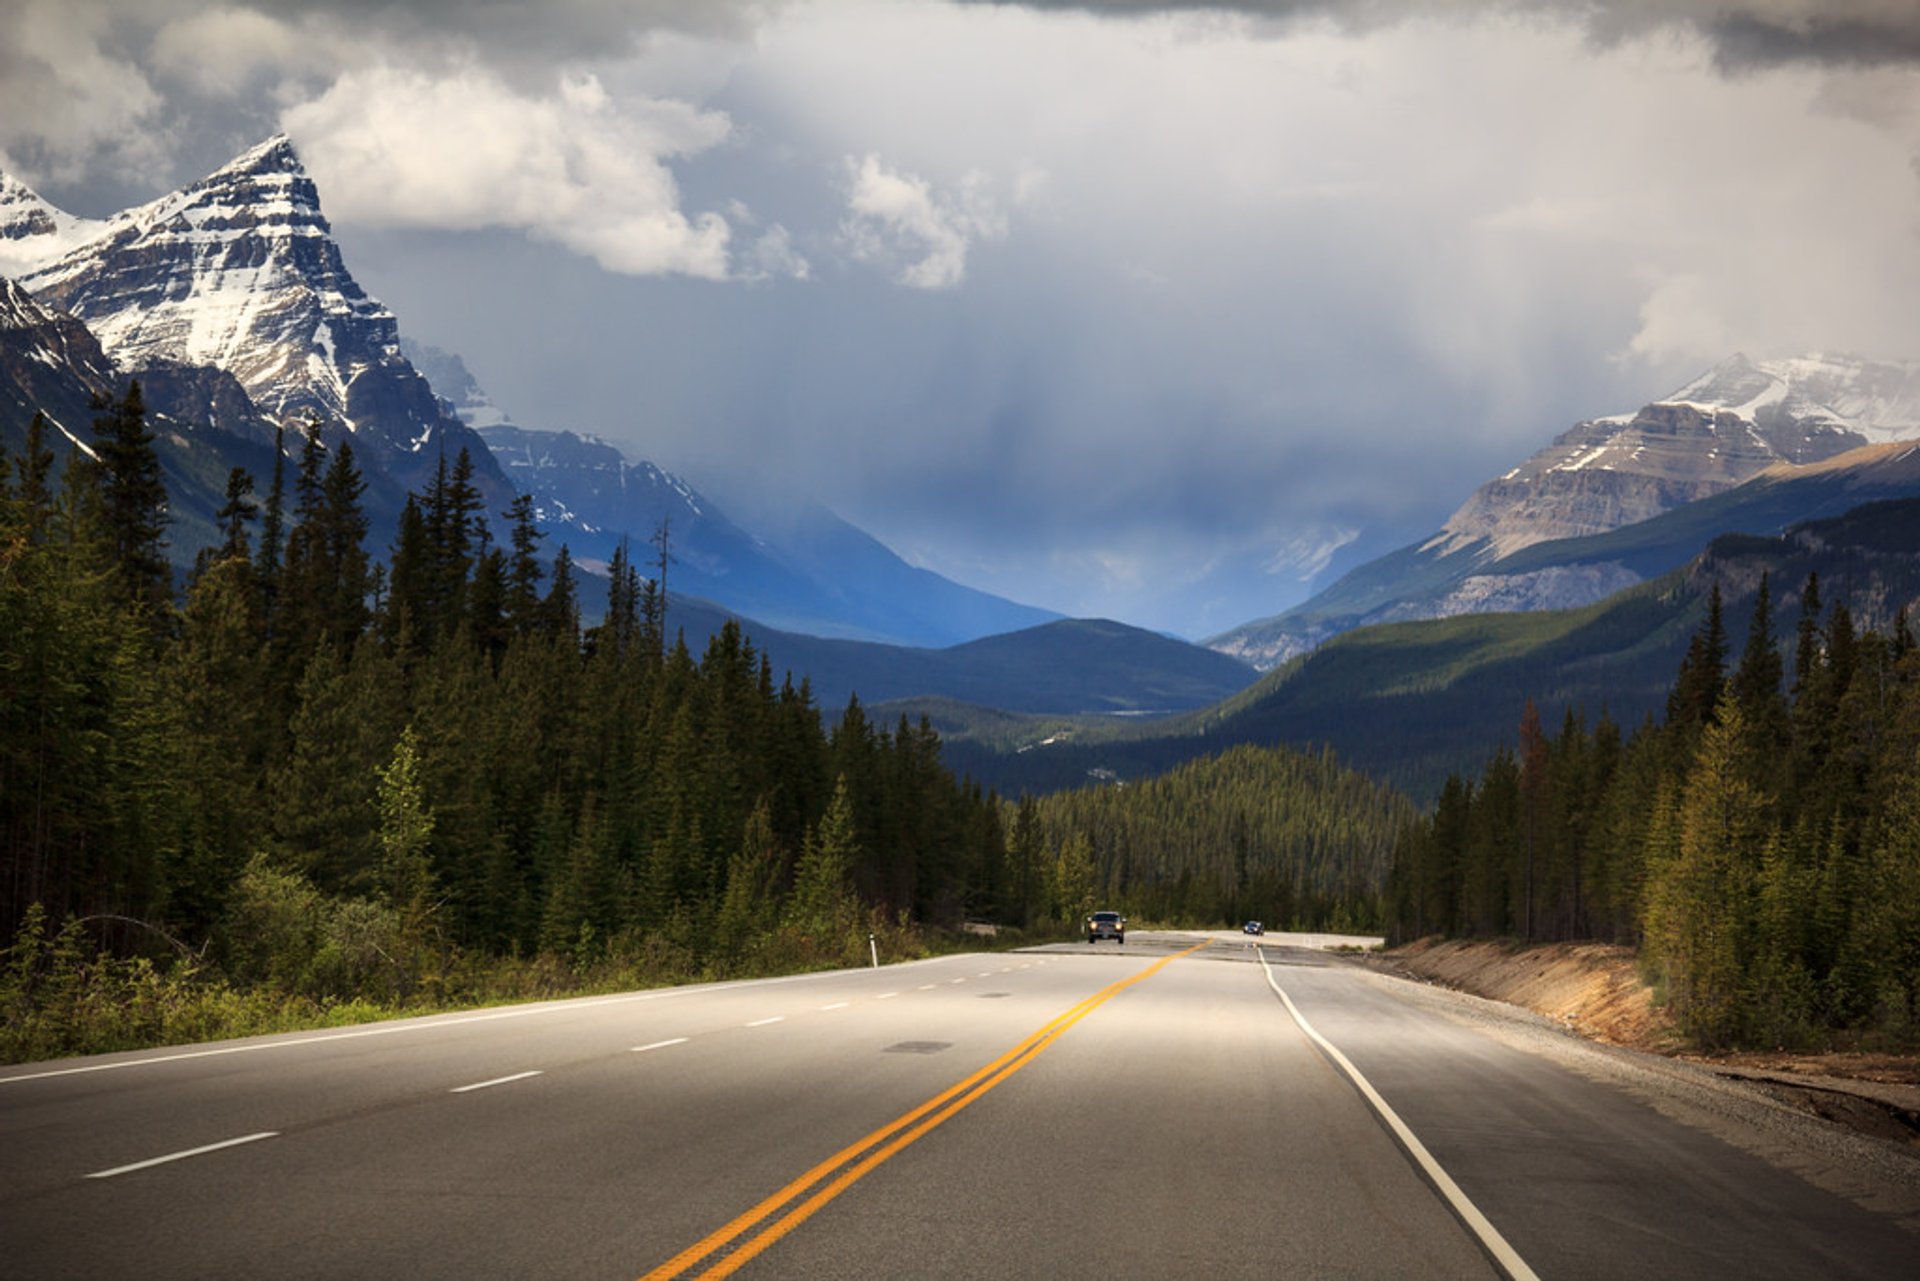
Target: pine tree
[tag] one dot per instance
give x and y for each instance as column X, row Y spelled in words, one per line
column 1073, row 876
column 133, row 498
column 822, row 907
column 237, row 513
column 523, row 567
column 273, row 532
column 33, row 492
column 1696, row 691
column 1756, row 682
column 405, row 836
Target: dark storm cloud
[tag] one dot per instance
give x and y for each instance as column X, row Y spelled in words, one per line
column 1749, row 36
column 1743, row 41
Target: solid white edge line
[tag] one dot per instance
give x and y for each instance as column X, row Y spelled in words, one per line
column 498, row 1080
column 181, row 1156
column 1503, row 1253
column 659, row 1045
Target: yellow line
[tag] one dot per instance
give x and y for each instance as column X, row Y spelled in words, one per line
column 984, row 1079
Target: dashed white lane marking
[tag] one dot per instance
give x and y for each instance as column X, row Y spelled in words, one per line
column 659, row 1045
column 837, row 1005
column 1477, row 1223
column 961, row 979
column 498, row 1080
column 886, row 996
column 181, row 1156
column 433, row 1023
column 928, row 987
column 778, row 1018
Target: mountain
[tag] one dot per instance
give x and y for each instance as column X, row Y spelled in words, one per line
column 240, row 272
column 1073, row 667
column 1412, row 702
column 1719, row 431
column 203, row 421
column 230, row 300
column 806, row 571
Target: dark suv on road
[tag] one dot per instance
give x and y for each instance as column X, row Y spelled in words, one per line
column 1106, row 925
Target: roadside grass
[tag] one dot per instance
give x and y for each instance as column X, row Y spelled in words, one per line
column 62, row 995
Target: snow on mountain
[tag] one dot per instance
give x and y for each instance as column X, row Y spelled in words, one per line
column 455, row 384
column 1719, row 430
column 1724, row 428
column 240, row 271
column 1878, row 400
column 33, row 232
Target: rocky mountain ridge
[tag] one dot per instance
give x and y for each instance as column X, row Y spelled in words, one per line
column 1723, row 429
column 240, row 272
column 231, row 302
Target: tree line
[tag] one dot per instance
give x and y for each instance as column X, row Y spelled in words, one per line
column 1760, row 844
column 356, row 776
column 1293, row 839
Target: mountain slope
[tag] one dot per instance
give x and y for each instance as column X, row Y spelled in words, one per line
column 1411, row 702
column 1070, row 667
column 807, row 571
column 1721, row 430
column 203, row 422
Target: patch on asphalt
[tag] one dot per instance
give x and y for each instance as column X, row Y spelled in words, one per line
column 918, row 1047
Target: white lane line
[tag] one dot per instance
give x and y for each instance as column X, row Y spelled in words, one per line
column 498, row 1080
column 1503, row 1253
column 961, row 979
column 986, row 974
column 928, row 987
column 837, row 1005
column 659, row 1045
column 778, row 1018
column 886, row 996
column 430, row 1023
column 181, row 1156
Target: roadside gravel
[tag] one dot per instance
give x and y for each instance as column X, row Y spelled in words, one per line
column 1879, row 1173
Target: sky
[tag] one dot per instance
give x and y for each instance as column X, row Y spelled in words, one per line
column 1152, row 311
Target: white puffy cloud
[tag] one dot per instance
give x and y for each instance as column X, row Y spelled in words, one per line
column 464, row 151
column 899, row 220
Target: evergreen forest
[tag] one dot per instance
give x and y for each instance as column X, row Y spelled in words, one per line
column 1760, row 844
column 308, row 784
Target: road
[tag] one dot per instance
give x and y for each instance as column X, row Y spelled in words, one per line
column 1152, row 1109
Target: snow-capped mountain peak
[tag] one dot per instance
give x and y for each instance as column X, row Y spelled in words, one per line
column 240, row 271
column 34, row 232
column 1879, row 400
column 1718, row 430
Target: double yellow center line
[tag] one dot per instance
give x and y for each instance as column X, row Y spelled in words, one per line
column 852, row 1163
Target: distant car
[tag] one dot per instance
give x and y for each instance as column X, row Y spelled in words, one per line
column 1107, row 925
column 1254, row 927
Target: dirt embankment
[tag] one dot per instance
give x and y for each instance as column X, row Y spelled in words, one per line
column 1596, row 990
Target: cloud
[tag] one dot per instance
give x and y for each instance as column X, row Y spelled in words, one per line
column 1744, row 34
column 465, row 151
column 897, row 219
column 67, row 96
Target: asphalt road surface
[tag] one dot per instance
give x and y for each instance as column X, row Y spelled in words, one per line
column 1154, row 1109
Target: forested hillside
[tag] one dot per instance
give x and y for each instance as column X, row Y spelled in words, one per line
column 352, row 780
column 1760, row 844
column 1266, row 833
column 311, row 778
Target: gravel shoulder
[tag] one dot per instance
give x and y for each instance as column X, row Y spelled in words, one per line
column 1846, row 1123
